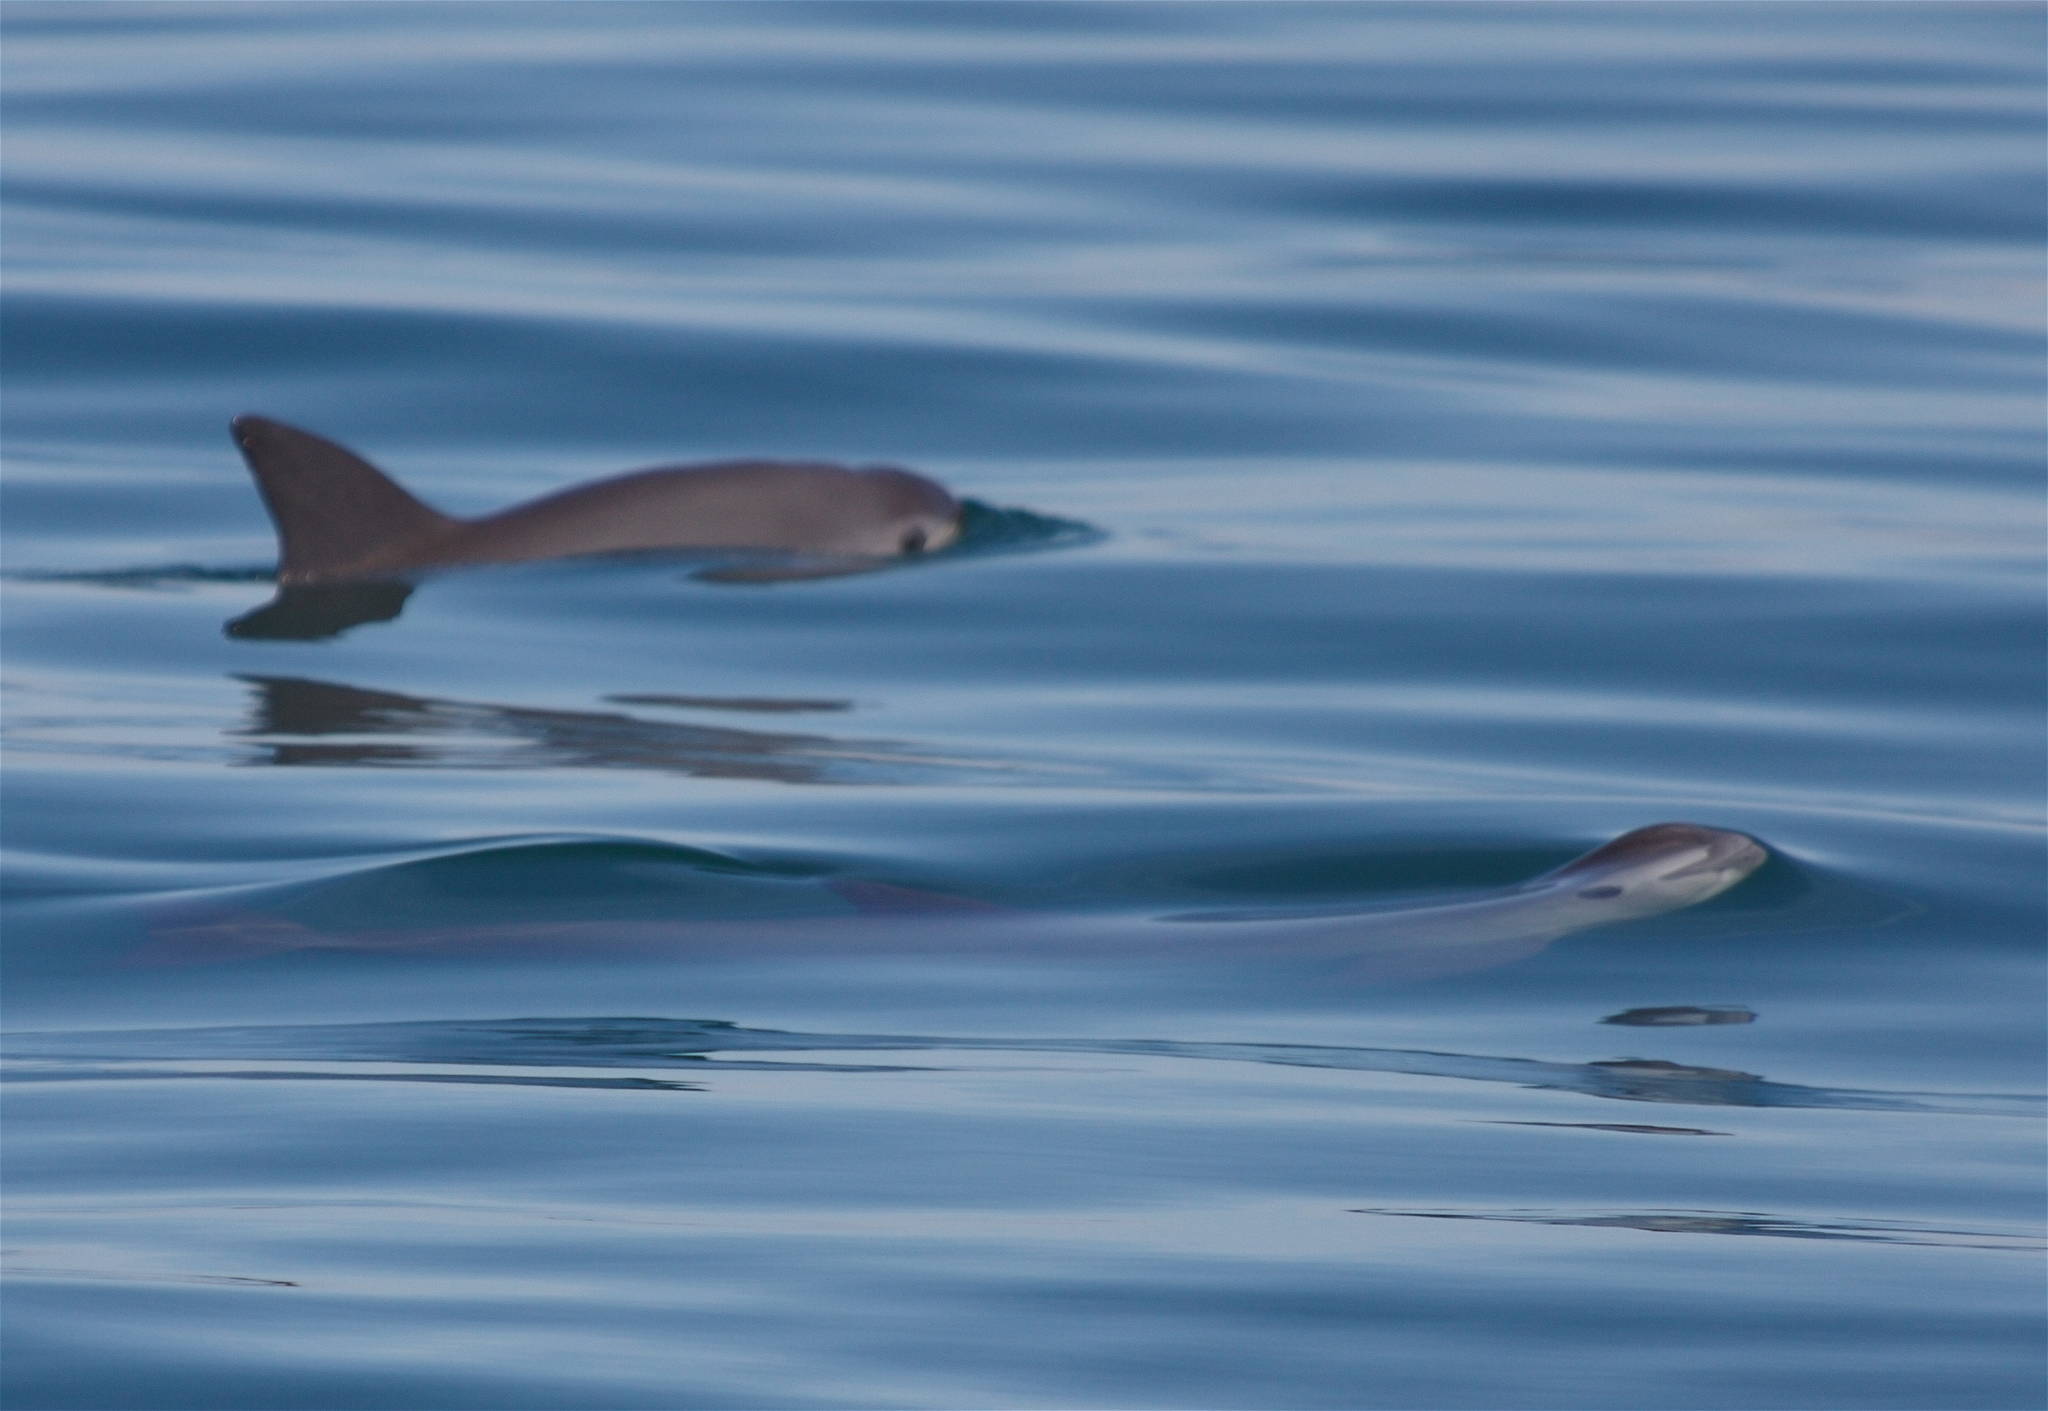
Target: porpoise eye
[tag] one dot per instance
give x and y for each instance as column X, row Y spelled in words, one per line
column 1600, row 893
column 913, row 542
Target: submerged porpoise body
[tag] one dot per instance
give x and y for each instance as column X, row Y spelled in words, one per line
column 1647, row 872
column 1643, row 873
column 340, row 519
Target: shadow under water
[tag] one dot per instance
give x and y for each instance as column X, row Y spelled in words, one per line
column 313, row 612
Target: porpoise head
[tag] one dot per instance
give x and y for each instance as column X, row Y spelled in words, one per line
column 1656, row 869
column 915, row 515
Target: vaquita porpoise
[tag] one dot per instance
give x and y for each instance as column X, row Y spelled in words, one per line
column 340, row 519
column 1642, row 873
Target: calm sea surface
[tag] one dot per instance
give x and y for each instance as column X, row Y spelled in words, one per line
column 1408, row 445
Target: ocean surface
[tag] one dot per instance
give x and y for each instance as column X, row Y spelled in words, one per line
column 1406, row 446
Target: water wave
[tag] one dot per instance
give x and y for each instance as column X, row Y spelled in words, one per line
column 708, row 1045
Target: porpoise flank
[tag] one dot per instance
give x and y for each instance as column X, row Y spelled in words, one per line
column 1643, row 873
column 340, row 519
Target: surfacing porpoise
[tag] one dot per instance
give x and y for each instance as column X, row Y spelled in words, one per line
column 340, row 519
column 1643, row 873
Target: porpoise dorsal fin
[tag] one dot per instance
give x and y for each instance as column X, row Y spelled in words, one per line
column 337, row 515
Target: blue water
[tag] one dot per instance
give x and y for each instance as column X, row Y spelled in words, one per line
column 1410, row 445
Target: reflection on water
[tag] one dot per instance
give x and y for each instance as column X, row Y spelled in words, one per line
column 707, row 1045
column 1671, row 1015
column 293, row 716
column 314, row 1075
column 1641, row 1128
column 1744, row 1222
column 15, row 1270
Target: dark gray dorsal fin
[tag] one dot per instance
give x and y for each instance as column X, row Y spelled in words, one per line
column 337, row 515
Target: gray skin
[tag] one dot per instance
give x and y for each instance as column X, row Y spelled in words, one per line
column 340, row 519
column 1661, row 868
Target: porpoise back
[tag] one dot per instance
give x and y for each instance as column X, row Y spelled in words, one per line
column 1665, row 867
column 341, row 519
